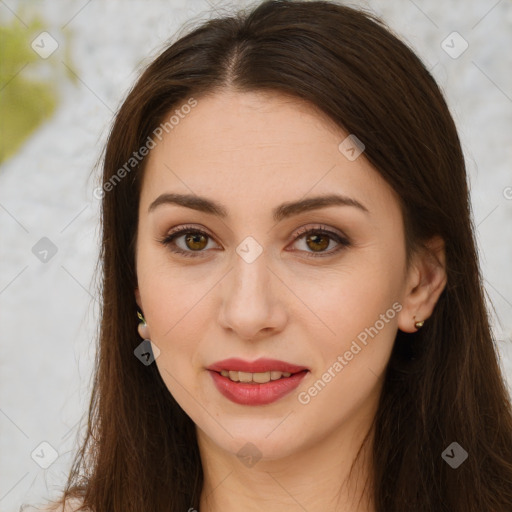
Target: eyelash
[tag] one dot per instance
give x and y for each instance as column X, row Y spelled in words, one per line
column 168, row 241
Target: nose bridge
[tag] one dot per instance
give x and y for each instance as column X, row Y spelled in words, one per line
column 251, row 276
column 250, row 303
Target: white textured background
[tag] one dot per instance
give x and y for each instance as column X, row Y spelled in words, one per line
column 48, row 311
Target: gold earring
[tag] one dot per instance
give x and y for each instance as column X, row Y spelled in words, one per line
column 141, row 317
column 419, row 325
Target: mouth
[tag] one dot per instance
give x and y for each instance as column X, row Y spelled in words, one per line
column 256, row 383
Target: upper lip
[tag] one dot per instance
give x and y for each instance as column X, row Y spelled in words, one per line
column 258, row 366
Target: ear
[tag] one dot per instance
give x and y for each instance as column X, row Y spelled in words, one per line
column 426, row 281
column 137, row 298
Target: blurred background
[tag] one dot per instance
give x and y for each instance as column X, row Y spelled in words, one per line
column 65, row 67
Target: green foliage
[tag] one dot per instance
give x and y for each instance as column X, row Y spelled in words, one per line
column 25, row 101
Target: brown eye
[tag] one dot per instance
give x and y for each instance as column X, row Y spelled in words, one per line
column 187, row 241
column 196, row 241
column 317, row 242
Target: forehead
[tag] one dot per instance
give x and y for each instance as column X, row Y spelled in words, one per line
column 258, row 147
column 235, row 124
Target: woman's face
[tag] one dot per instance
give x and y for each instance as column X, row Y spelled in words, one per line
column 254, row 284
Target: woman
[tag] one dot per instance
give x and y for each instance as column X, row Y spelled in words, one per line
column 293, row 315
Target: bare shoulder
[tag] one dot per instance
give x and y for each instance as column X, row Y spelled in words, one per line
column 71, row 505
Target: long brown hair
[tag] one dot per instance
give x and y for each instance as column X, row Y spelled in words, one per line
column 443, row 384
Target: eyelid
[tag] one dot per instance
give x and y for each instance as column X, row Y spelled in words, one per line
column 317, row 227
column 187, row 228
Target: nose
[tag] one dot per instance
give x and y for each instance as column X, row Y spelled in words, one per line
column 252, row 305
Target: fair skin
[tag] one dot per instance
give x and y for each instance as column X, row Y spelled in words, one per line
column 251, row 152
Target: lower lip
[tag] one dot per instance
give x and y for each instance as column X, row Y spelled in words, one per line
column 245, row 393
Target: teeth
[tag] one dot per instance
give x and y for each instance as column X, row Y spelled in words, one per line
column 244, row 376
column 260, row 378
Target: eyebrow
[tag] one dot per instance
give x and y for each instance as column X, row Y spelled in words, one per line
column 283, row 211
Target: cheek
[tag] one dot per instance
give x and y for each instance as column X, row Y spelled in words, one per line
column 352, row 332
column 178, row 305
column 342, row 303
column 177, row 320
column 178, row 317
column 171, row 294
column 349, row 358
